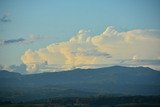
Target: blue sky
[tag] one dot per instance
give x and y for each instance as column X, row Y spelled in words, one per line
column 58, row 20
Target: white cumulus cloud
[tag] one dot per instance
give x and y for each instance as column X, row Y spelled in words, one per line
column 85, row 51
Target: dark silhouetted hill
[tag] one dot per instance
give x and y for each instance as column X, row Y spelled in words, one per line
column 114, row 80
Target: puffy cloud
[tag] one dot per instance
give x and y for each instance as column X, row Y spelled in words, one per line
column 124, row 45
column 83, row 51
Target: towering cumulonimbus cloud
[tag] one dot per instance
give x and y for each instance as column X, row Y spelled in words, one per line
column 83, row 51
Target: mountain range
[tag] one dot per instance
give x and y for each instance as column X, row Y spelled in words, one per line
column 111, row 81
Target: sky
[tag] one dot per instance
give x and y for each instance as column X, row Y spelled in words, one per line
column 65, row 34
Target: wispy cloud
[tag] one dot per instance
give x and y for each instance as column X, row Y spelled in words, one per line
column 108, row 48
column 30, row 39
column 5, row 18
column 11, row 41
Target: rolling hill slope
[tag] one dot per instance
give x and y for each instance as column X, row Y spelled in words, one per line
column 114, row 80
